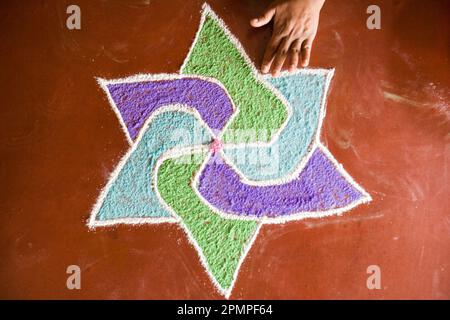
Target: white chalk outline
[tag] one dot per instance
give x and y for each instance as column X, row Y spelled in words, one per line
column 176, row 152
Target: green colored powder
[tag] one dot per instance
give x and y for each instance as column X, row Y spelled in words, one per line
column 214, row 55
column 221, row 240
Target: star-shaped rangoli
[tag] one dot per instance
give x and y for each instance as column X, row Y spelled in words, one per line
column 222, row 150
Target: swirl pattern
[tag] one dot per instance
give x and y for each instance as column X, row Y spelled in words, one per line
column 222, row 150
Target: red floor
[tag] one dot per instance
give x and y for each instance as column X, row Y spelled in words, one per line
column 388, row 123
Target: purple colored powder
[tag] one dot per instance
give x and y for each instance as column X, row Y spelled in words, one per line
column 136, row 101
column 319, row 187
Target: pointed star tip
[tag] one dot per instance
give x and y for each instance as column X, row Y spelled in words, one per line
column 101, row 81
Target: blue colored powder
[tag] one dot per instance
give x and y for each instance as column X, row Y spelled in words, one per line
column 304, row 93
column 132, row 194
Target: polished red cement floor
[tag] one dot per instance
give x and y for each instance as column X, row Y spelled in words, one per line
column 387, row 122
